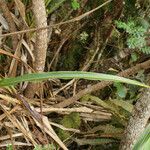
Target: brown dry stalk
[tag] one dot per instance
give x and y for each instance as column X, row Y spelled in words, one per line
column 12, row 28
column 128, row 72
column 137, row 122
column 3, row 52
column 10, row 21
column 40, row 44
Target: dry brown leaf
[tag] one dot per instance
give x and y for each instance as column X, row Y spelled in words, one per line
column 49, row 130
column 4, row 22
column 18, row 124
column 28, row 49
column 1, row 37
column 5, row 137
column 9, row 99
column 14, row 63
column 21, row 8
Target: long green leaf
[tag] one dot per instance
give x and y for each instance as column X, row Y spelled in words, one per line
column 143, row 140
column 67, row 75
column 98, row 141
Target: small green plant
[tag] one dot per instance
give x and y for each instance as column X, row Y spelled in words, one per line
column 137, row 35
column 121, row 89
column 83, row 37
column 45, row 147
column 9, row 147
column 75, row 4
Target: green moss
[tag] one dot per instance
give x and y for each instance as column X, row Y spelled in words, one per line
column 72, row 120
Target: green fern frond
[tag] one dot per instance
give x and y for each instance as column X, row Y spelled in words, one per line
column 137, row 37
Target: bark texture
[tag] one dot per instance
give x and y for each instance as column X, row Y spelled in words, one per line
column 40, row 44
column 41, row 36
column 137, row 122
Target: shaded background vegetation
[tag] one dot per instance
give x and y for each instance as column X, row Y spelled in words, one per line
column 108, row 40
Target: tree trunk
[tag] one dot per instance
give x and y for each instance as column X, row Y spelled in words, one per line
column 137, row 122
column 40, row 45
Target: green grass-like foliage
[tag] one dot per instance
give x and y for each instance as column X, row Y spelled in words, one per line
column 75, row 4
column 52, row 5
column 95, row 141
column 143, row 142
column 9, row 147
column 67, row 75
column 45, row 147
